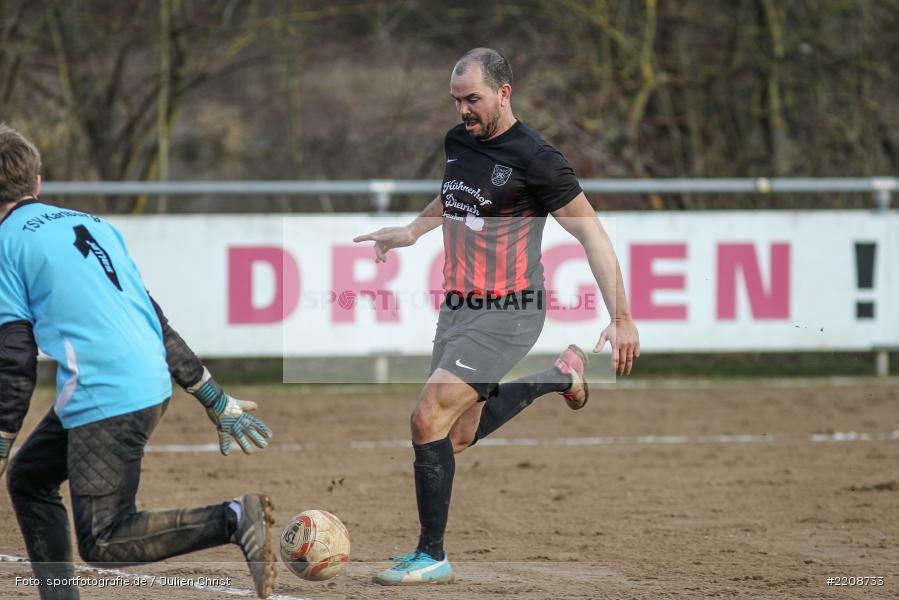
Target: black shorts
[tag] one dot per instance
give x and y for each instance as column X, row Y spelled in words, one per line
column 480, row 341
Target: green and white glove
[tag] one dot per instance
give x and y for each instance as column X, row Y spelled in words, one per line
column 230, row 416
column 6, row 442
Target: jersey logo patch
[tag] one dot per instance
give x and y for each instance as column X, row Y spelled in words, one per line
column 500, row 175
column 474, row 223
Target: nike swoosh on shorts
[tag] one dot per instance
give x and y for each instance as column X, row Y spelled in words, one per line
column 459, row 364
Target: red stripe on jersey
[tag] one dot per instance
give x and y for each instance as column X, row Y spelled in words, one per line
column 521, row 254
column 448, row 273
column 460, row 232
column 500, row 285
column 479, row 277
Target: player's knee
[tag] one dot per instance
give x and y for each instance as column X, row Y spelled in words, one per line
column 431, row 411
column 87, row 549
column 94, row 553
column 89, row 555
column 422, row 423
column 94, row 540
column 439, row 406
column 18, row 481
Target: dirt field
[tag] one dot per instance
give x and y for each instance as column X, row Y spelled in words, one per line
column 649, row 492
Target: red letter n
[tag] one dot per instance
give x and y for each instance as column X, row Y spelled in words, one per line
column 771, row 304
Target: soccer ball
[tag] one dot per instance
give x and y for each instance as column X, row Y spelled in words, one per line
column 315, row 545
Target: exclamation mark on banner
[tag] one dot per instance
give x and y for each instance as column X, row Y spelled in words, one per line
column 865, row 253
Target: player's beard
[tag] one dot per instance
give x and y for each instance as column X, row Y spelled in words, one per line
column 487, row 129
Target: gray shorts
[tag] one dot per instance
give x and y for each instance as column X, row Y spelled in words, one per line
column 481, row 341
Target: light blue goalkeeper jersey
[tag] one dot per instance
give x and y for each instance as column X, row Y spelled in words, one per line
column 69, row 274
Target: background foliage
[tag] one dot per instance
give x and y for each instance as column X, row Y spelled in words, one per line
column 273, row 89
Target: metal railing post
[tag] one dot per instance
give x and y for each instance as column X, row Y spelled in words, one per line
column 882, row 363
column 381, row 189
column 883, row 192
column 882, row 200
column 382, row 368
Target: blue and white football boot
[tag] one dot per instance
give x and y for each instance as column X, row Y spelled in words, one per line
column 416, row 568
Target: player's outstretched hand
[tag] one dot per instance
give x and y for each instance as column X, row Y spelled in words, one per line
column 232, row 418
column 6, row 442
column 622, row 335
column 387, row 238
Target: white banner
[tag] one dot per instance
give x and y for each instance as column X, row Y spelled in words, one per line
column 297, row 286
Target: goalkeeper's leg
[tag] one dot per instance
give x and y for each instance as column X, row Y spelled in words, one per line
column 104, row 474
column 34, row 476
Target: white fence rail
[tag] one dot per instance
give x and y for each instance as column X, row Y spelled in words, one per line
column 381, row 190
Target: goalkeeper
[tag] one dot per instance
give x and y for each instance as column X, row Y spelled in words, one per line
column 68, row 286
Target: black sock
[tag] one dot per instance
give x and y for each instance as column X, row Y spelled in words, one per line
column 435, row 466
column 517, row 395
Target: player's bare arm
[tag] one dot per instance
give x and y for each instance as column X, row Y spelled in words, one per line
column 579, row 219
column 388, row 238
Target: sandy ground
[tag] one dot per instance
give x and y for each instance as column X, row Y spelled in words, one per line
column 646, row 493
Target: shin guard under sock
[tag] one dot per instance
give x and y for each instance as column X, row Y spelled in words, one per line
column 435, row 467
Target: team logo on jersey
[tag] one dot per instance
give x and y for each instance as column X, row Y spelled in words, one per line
column 500, row 175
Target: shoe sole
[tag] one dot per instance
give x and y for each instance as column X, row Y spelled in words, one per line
column 584, row 361
column 268, row 509
column 450, row 579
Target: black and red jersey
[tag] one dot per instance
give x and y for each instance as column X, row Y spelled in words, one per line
column 496, row 196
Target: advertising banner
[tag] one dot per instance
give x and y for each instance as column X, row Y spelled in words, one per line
column 297, row 286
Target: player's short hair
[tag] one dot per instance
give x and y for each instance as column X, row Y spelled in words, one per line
column 495, row 69
column 20, row 164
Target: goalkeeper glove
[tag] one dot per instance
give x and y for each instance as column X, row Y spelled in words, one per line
column 230, row 416
column 6, row 442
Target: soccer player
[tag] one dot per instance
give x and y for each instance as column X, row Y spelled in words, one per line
column 69, row 287
column 501, row 181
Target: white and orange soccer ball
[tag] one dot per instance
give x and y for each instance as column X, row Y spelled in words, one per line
column 315, row 545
